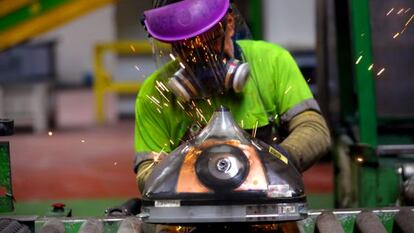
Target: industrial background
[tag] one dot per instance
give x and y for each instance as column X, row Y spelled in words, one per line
column 70, row 71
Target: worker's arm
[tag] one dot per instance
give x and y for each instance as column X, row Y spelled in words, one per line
column 308, row 140
column 308, row 135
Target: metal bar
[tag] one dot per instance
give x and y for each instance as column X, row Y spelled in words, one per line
column 7, row 6
column 395, row 150
column 99, row 85
column 27, row 13
column 347, row 218
column 32, row 22
column 362, row 55
column 103, row 81
column 256, row 14
column 344, row 57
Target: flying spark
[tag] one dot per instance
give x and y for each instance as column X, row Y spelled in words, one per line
column 381, row 71
column 143, row 171
column 406, row 11
column 172, row 56
column 115, row 163
column 255, row 129
column 171, row 141
column 290, row 87
column 132, row 48
column 389, row 12
column 274, row 139
column 359, row 59
column 370, row 67
column 165, row 88
column 400, row 11
column 136, row 67
column 155, row 101
column 83, row 140
column 162, row 94
column 359, row 159
column 50, row 133
column 162, row 86
column 179, row 103
column 409, row 20
column 209, row 101
column 158, row 155
column 190, row 114
column 159, row 85
column 182, row 65
column 200, row 114
column 396, row 35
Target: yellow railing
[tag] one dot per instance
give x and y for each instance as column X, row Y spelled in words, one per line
column 7, row 6
column 44, row 22
column 103, row 80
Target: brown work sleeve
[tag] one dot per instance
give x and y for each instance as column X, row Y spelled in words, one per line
column 143, row 172
column 309, row 139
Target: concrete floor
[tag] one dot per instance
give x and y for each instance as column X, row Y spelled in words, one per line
column 83, row 161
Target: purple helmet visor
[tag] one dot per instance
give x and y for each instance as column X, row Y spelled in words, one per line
column 185, row 19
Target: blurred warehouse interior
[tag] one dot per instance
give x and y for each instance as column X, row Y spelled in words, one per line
column 63, row 57
column 70, row 88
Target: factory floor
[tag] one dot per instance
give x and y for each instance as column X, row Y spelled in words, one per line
column 89, row 167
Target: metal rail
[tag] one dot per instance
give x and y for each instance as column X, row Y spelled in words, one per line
column 103, row 81
column 388, row 220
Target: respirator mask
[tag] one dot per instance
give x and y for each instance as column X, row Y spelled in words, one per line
column 195, row 31
column 205, row 70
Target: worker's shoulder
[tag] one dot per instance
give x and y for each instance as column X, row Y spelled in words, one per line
column 262, row 48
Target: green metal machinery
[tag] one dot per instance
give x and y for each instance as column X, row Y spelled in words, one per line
column 365, row 59
column 6, row 191
column 21, row 20
column 6, row 197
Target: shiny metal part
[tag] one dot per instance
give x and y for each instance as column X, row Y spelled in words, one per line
column 224, row 175
column 226, row 213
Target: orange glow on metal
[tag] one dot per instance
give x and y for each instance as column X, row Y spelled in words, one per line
column 188, row 181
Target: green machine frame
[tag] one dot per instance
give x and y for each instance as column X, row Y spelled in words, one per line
column 6, row 194
column 375, row 161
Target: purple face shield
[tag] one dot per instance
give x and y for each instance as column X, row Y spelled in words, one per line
column 185, row 19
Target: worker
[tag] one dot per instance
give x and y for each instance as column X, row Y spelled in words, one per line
column 206, row 60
